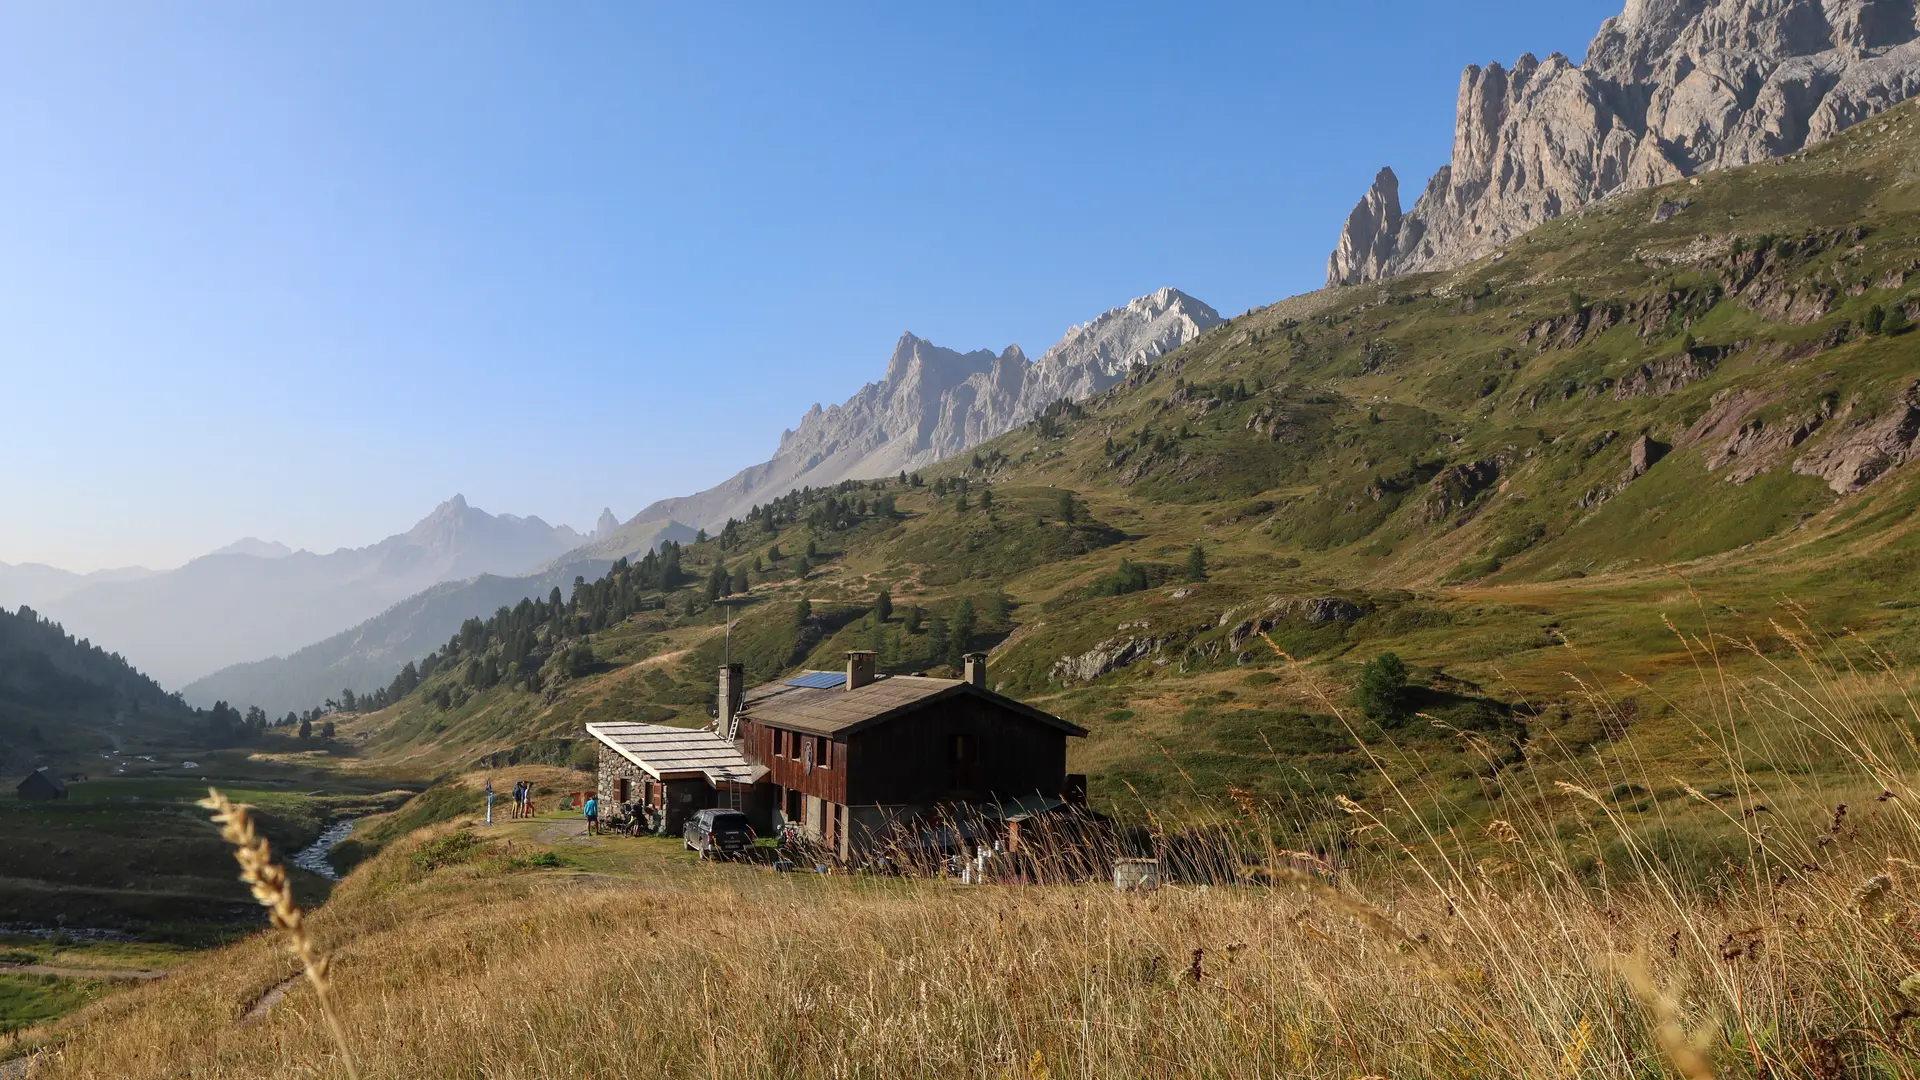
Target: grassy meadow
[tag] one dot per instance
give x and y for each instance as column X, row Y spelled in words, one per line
column 1564, row 938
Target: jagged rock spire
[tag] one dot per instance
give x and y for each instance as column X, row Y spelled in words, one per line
column 1670, row 88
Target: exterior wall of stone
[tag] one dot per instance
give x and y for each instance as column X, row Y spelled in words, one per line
column 613, row 769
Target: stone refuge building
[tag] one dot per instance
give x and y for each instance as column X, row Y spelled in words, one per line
column 41, row 785
column 854, row 760
column 669, row 772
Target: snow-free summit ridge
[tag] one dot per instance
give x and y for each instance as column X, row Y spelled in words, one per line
column 1669, row 89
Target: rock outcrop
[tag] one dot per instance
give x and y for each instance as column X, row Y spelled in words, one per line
column 1670, row 88
column 936, row 402
column 1313, row 611
column 1855, row 458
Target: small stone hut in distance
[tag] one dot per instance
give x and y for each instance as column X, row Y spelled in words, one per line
column 42, row 786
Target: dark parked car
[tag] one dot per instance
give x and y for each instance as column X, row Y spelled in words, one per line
column 718, row 832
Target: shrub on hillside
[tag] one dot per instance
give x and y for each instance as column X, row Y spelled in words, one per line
column 447, row 850
column 1383, row 683
column 1127, row 578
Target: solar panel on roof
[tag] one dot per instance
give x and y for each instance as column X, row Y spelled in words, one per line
column 819, row 680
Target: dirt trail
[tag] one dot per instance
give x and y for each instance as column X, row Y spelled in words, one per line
column 81, row 973
column 561, row 832
column 265, row 1002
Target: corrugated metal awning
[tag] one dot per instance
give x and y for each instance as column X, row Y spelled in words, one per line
column 670, row 752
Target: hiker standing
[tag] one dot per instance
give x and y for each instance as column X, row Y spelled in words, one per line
column 593, row 814
column 519, row 799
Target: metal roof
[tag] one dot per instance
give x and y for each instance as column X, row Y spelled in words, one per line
column 833, row 710
column 677, row 752
column 819, row 680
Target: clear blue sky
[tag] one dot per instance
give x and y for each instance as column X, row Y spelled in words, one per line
column 302, row 271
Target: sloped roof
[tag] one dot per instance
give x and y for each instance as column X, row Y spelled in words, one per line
column 836, row 711
column 666, row 752
column 42, row 777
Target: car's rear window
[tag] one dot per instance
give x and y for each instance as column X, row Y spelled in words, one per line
column 730, row 821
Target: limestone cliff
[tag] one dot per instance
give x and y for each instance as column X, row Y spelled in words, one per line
column 935, row 402
column 1669, row 88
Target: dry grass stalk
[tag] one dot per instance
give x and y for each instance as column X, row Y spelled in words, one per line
column 268, row 880
column 1664, row 1014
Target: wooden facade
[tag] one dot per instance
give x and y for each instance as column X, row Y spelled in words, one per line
column 962, row 749
column 849, row 761
column 870, row 757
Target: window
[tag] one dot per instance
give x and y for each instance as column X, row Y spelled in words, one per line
column 824, row 755
column 625, row 790
column 963, row 758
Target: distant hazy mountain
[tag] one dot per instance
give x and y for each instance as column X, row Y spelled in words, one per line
column 630, row 541
column 369, row 655
column 255, row 600
column 35, row 584
column 935, row 403
column 253, row 545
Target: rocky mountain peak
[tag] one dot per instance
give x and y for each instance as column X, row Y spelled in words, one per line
column 607, row 525
column 919, row 365
column 1669, row 88
column 935, row 402
column 1367, row 243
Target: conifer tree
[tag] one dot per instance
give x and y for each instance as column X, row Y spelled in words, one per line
column 962, row 628
column 1196, row 564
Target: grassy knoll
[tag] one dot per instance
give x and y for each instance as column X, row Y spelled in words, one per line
column 28, row 999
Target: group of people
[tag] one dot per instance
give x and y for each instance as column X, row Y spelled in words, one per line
column 523, row 804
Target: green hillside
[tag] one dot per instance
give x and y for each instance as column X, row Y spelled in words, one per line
column 1507, row 475
column 64, row 700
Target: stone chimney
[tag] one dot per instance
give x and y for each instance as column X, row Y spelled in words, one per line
column 860, row 669
column 976, row 669
column 733, row 690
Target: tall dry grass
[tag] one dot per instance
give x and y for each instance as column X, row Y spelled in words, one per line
column 1562, row 939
